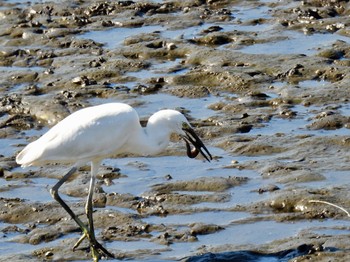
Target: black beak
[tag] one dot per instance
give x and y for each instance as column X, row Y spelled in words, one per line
column 192, row 138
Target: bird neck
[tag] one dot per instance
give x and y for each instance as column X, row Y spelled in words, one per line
column 151, row 139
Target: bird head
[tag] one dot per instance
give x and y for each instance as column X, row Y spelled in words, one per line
column 175, row 122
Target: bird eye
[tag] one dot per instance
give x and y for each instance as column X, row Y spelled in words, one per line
column 185, row 125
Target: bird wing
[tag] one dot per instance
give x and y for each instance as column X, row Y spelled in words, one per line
column 91, row 133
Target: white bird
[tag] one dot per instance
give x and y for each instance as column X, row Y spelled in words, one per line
column 98, row 132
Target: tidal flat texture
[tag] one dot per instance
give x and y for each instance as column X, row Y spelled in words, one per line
column 265, row 83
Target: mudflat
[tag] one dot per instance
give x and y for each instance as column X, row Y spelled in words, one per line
column 266, row 84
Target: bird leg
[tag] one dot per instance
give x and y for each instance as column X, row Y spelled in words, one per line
column 88, row 206
column 56, row 196
column 76, row 245
column 96, row 248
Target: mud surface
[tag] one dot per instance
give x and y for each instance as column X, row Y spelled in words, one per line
column 265, row 83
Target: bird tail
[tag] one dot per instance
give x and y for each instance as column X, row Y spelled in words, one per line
column 28, row 155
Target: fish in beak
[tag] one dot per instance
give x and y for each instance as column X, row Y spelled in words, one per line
column 192, row 138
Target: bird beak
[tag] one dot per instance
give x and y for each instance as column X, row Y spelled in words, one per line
column 192, row 138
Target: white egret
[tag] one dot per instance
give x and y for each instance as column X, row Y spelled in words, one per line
column 95, row 133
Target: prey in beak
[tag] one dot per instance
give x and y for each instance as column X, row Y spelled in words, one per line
column 198, row 146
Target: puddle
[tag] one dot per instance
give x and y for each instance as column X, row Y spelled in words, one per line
column 7, row 146
column 155, row 170
column 18, row 68
column 116, row 36
column 23, row 87
column 313, row 84
column 139, row 181
column 345, row 110
column 24, row 189
column 220, row 218
column 9, row 246
column 162, row 69
column 247, row 13
column 297, row 43
column 133, row 246
column 196, row 31
column 122, row 209
column 19, row 88
column 244, row 194
column 197, row 106
column 26, row 1
column 248, row 234
column 331, row 231
column 304, row 115
column 280, row 86
column 264, row 232
column 297, row 125
column 333, row 179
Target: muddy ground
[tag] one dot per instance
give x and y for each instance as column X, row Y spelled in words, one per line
column 49, row 70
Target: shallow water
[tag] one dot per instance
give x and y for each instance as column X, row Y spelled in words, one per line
column 298, row 125
column 239, row 228
column 240, row 234
column 197, row 107
column 25, row 190
column 9, row 245
column 297, row 43
column 20, row 68
column 333, row 179
column 155, row 170
column 115, row 37
column 220, row 218
column 9, row 145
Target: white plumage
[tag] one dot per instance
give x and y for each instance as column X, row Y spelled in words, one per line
column 94, row 133
column 101, row 131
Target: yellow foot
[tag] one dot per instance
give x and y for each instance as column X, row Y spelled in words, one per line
column 76, row 245
column 97, row 250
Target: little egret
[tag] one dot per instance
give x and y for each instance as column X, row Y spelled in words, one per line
column 98, row 132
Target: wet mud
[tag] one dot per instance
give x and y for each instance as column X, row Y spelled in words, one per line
column 265, row 83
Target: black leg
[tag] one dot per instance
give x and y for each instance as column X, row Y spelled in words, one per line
column 89, row 212
column 56, row 196
column 96, row 248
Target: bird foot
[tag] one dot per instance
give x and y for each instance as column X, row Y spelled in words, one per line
column 76, row 245
column 96, row 248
